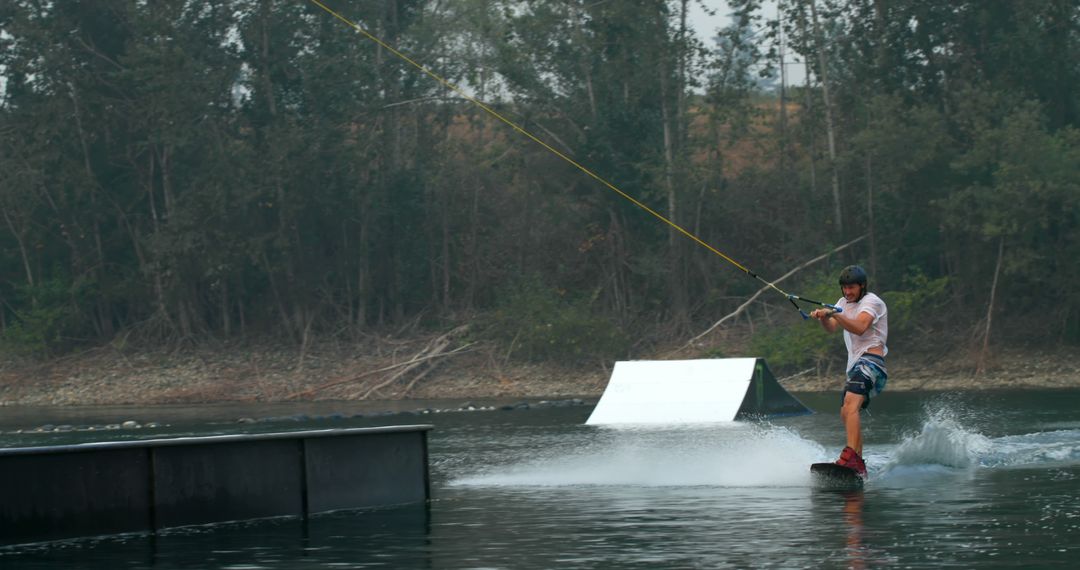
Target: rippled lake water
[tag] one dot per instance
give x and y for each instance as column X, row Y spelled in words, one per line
column 976, row 480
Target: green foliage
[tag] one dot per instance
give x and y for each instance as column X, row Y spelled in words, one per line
column 45, row 318
column 714, row 352
column 1022, row 193
column 234, row 165
column 537, row 322
column 797, row 344
column 917, row 308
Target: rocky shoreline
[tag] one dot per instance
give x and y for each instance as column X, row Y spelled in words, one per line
column 108, row 376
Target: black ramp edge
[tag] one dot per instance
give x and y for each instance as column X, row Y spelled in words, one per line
column 765, row 397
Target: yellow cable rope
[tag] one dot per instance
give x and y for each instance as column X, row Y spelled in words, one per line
column 535, row 139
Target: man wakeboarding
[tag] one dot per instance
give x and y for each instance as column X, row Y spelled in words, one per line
column 865, row 322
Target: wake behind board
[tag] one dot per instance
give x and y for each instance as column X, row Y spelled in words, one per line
column 833, row 476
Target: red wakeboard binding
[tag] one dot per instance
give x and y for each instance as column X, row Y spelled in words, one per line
column 851, row 460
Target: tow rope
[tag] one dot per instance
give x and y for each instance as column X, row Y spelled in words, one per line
column 794, row 299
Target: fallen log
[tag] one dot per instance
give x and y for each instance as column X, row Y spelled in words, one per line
column 436, row 348
column 412, row 365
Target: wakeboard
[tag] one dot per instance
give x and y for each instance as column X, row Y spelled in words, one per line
column 833, row 476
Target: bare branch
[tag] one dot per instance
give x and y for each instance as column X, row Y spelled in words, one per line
column 750, row 301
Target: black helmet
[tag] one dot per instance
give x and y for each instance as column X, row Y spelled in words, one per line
column 853, row 274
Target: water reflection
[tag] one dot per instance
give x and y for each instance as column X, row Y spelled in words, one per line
column 395, row 537
column 538, row 489
column 841, row 527
column 853, row 517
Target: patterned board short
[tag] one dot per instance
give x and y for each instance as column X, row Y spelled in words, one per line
column 867, row 377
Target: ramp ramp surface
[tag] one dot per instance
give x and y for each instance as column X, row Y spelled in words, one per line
column 692, row 391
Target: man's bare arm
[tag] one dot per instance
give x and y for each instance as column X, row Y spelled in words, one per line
column 831, row 321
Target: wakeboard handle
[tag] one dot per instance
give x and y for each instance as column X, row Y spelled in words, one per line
column 804, row 314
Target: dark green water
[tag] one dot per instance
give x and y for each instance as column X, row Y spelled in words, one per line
column 965, row 481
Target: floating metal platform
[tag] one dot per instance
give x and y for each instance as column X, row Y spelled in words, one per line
column 57, row 492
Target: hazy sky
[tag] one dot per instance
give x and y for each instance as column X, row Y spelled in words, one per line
column 706, row 27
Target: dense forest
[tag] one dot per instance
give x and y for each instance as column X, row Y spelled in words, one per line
column 180, row 170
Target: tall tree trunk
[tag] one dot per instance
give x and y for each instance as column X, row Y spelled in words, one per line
column 226, row 321
column 22, row 248
column 240, row 308
column 830, row 126
column 984, row 353
column 676, row 283
column 445, row 252
column 870, row 214
column 1060, row 29
column 103, row 313
column 155, row 219
column 283, row 312
column 364, row 262
column 164, row 160
column 808, row 101
column 781, row 54
column 671, row 95
column 586, row 67
column 683, row 64
column 620, row 289
column 880, row 24
column 264, row 52
column 474, row 246
column 177, row 284
column 392, row 162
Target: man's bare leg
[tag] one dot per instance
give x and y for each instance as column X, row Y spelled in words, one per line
column 849, row 412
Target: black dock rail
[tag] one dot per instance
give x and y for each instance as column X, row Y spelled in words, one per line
column 57, row 492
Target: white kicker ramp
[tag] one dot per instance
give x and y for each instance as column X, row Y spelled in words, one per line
column 692, row 391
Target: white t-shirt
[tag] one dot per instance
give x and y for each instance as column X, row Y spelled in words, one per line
column 875, row 335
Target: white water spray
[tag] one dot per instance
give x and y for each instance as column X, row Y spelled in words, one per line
column 942, row 441
column 734, row 456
